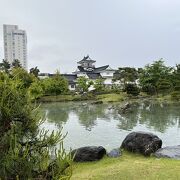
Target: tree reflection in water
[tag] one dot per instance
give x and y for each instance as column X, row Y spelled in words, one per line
column 152, row 114
column 88, row 115
column 56, row 113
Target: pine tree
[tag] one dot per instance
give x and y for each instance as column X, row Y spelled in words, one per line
column 24, row 148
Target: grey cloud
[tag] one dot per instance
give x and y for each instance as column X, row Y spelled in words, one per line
column 116, row 32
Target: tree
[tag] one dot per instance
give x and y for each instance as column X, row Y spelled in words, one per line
column 176, row 77
column 99, row 84
column 55, row 85
column 24, row 148
column 132, row 89
column 176, row 83
column 16, row 63
column 22, row 75
column 35, row 71
column 5, row 66
column 83, row 84
column 164, row 86
column 36, row 90
column 153, row 74
column 127, row 75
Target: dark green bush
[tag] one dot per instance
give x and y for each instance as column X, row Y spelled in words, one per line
column 175, row 95
column 24, row 148
column 132, row 89
column 149, row 89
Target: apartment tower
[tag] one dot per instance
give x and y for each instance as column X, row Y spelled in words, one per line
column 15, row 44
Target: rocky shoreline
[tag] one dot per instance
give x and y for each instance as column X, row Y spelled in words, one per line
column 143, row 143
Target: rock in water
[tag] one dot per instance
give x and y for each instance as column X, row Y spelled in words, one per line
column 142, row 142
column 169, row 152
column 89, row 153
column 97, row 102
column 114, row 153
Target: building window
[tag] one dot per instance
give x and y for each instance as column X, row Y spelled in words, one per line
column 72, row 86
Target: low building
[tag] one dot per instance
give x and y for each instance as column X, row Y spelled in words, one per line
column 72, row 80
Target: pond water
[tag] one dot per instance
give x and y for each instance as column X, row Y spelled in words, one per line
column 104, row 125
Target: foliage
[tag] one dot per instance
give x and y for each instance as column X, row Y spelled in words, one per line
column 99, row 85
column 153, row 74
column 149, row 89
column 164, row 86
column 5, row 66
column 16, row 63
column 22, row 75
column 127, row 75
column 55, row 85
column 35, row 71
column 24, row 148
column 132, row 89
column 83, row 84
column 36, row 90
column 175, row 95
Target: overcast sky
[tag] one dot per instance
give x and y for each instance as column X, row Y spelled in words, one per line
column 114, row 32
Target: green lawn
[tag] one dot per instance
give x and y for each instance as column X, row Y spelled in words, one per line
column 58, row 98
column 112, row 97
column 129, row 166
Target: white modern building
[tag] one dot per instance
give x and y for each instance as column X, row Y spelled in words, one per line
column 15, row 44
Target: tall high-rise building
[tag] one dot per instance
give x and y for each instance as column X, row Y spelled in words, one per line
column 15, row 44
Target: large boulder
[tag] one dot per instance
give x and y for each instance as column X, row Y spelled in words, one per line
column 89, row 153
column 142, row 142
column 169, row 152
column 114, row 153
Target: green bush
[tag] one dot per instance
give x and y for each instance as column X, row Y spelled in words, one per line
column 175, row 95
column 24, row 148
column 55, row 85
column 132, row 89
column 149, row 89
column 164, row 86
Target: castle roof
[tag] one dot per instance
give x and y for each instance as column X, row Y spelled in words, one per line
column 99, row 69
column 86, row 59
column 94, row 75
column 70, row 77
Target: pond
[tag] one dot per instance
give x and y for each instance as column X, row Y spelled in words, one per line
column 103, row 124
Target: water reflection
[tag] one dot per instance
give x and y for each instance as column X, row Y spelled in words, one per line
column 155, row 115
column 88, row 115
column 56, row 113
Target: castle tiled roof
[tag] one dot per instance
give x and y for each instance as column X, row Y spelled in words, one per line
column 93, row 70
column 71, row 78
column 99, row 69
column 86, row 59
column 94, row 75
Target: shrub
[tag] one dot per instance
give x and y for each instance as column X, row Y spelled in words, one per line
column 132, row 89
column 149, row 89
column 175, row 95
column 24, row 148
column 164, row 86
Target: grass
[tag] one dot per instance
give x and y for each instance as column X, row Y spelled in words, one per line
column 129, row 166
column 58, row 98
column 112, row 97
